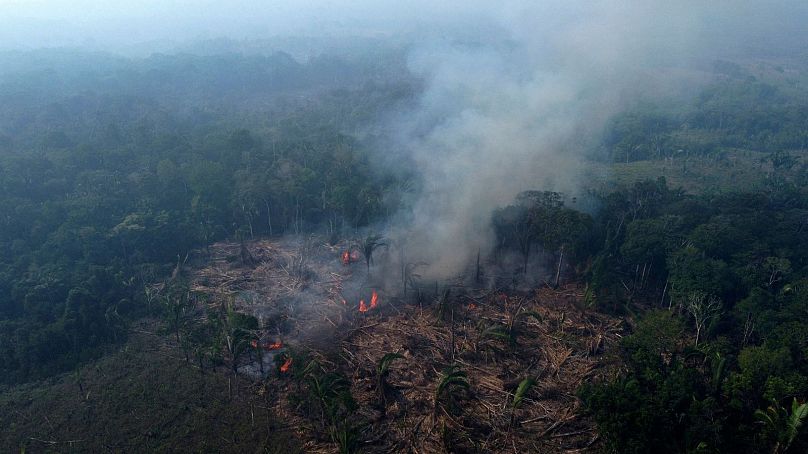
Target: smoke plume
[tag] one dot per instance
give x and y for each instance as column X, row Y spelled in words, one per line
column 517, row 106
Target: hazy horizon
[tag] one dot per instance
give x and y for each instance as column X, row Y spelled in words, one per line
column 154, row 26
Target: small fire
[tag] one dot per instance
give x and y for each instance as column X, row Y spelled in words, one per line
column 286, row 365
column 362, row 307
column 346, row 258
column 374, row 300
column 472, row 307
column 270, row 346
column 274, row 345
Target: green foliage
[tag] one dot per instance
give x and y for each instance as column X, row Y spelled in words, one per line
column 782, row 427
column 382, row 372
column 660, row 391
column 383, row 368
column 522, row 390
column 720, row 117
column 766, row 373
column 540, row 219
column 347, row 437
column 331, row 392
column 689, row 368
column 691, row 271
column 452, row 382
column 497, row 332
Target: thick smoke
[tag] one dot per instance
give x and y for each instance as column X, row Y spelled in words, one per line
column 518, row 107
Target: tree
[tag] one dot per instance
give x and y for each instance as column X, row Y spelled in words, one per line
column 781, row 426
column 776, row 269
column 237, row 331
column 703, row 308
column 369, row 245
column 512, row 226
column 691, row 271
column 176, row 304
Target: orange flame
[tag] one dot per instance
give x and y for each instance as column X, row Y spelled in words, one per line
column 274, row 345
column 270, row 346
column 362, row 306
column 374, row 299
column 286, row 365
column 346, row 258
column 472, row 306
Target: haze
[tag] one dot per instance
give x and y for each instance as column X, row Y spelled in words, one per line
column 158, row 25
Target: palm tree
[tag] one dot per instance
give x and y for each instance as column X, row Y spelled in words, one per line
column 382, row 372
column 521, row 391
column 369, row 245
column 332, row 392
column 452, row 380
column 784, row 427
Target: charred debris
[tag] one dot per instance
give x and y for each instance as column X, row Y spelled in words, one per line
column 351, row 358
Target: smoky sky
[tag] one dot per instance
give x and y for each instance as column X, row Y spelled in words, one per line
column 520, row 110
column 514, row 91
column 115, row 25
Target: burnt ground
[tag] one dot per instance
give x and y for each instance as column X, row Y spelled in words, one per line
column 495, row 336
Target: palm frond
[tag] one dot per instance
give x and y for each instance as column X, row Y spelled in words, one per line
column 522, row 390
column 384, row 364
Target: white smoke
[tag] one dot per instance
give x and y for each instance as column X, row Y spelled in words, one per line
column 516, row 109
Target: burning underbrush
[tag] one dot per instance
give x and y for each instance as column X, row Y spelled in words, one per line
column 351, row 364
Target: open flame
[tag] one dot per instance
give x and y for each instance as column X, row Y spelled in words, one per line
column 286, row 365
column 349, row 257
column 269, row 346
column 374, row 300
column 274, row 345
column 362, row 306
